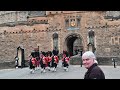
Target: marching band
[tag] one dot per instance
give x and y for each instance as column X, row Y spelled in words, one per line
column 48, row 61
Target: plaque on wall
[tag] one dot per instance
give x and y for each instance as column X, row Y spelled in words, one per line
column 73, row 28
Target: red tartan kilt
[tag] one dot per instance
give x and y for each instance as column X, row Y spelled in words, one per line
column 33, row 62
column 38, row 62
column 66, row 61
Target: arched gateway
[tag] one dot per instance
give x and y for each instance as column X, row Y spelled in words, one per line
column 73, row 43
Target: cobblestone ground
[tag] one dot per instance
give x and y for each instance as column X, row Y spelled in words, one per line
column 75, row 72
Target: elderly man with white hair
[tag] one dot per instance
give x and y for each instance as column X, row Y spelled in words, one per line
column 89, row 62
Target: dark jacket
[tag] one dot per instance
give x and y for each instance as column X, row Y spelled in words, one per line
column 94, row 72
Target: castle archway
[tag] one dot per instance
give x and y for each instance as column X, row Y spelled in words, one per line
column 74, row 43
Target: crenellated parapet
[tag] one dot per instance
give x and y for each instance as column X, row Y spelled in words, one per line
column 13, row 18
column 28, row 31
column 112, row 15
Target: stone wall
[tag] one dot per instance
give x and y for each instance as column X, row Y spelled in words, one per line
column 7, row 65
column 36, row 13
column 76, row 60
column 13, row 16
column 11, row 64
column 30, row 36
column 18, row 16
column 107, row 60
column 27, row 40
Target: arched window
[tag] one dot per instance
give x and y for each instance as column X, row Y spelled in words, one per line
column 55, row 41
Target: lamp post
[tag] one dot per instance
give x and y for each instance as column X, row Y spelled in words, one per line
column 114, row 62
column 81, row 57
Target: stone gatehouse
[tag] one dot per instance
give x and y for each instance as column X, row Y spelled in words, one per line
column 64, row 30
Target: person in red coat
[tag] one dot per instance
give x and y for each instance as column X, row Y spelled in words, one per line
column 32, row 64
column 65, row 61
column 54, row 62
column 49, row 60
column 63, row 57
column 46, row 59
column 43, row 62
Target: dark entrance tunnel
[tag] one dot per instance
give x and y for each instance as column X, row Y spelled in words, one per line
column 69, row 42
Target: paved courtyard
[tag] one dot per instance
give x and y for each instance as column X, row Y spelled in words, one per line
column 75, row 72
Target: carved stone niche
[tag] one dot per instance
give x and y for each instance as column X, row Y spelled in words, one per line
column 91, row 47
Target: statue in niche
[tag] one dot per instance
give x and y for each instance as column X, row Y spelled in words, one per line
column 91, row 36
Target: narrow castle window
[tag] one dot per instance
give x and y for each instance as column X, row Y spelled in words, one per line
column 112, row 41
column 116, row 41
column 78, row 22
column 116, row 38
column 67, row 23
column 119, row 40
column 49, row 12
